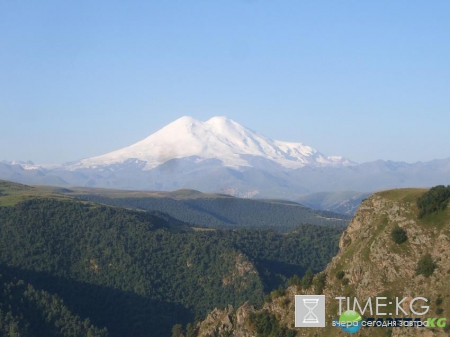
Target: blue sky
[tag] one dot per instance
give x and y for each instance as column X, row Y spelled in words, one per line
column 364, row 79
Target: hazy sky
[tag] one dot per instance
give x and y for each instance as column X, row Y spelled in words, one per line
column 364, row 79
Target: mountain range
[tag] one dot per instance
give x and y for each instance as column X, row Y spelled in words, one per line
column 222, row 156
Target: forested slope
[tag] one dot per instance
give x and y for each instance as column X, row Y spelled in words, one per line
column 131, row 272
column 28, row 312
column 228, row 212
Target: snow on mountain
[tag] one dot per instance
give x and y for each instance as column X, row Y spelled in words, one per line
column 218, row 138
column 26, row 165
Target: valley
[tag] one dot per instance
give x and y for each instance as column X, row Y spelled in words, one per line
column 121, row 272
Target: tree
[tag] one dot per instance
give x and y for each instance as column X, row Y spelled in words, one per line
column 190, row 331
column 307, row 279
column 294, row 281
column 177, row 330
column 319, row 282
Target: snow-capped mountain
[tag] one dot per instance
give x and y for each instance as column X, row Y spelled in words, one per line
column 218, row 138
column 220, row 155
column 26, row 165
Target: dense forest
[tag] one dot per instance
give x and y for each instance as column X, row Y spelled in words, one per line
column 28, row 312
column 132, row 272
column 228, row 212
column 281, row 256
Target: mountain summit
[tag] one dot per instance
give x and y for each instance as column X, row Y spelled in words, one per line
column 218, row 138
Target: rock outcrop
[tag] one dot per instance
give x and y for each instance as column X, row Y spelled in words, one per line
column 369, row 264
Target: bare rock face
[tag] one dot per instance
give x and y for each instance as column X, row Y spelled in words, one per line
column 372, row 265
column 217, row 323
column 228, row 322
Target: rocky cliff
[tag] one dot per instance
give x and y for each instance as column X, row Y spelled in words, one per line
column 371, row 263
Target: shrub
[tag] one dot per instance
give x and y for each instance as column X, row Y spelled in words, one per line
column 285, row 302
column 340, row 275
column 439, row 311
column 426, row 266
column 439, row 301
column 278, row 293
column 399, row 235
column 345, row 281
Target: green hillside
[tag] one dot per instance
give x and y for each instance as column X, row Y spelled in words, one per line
column 218, row 211
column 13, row 193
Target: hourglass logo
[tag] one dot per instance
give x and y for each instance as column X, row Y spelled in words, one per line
column 310, row 311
